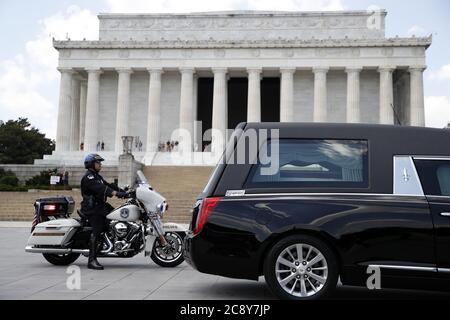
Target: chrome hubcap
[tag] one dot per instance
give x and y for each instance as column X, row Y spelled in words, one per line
column 172, row 252
column 301, row 270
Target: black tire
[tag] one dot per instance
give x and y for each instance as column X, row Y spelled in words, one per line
column 176, row 240
column 301, row 279
column 61, row 259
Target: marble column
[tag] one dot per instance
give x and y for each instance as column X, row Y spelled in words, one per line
column 287, row 95
column 154, row 109
column 386, row 95
column 254, row 95
column 220, row 109
column 320, row 94
column 63, row 129
column 186, row 107
column 83, row 92
column 92, row 110
column 353, row 95
column 123, row 107
column 417, row 113
column 75, row 115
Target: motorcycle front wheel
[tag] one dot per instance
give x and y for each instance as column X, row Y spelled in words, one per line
column 170, row 256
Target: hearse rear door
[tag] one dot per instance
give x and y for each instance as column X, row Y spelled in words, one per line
column 434, row 173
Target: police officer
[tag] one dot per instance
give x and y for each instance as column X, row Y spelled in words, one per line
column 95, row 191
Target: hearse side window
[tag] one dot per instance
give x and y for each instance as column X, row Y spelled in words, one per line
column 307, row 163
column 434, row 176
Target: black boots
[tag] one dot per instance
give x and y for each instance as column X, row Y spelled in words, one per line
column 93, row 247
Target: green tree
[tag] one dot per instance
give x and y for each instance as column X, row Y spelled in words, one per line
column 20, row 143
column 8, row 178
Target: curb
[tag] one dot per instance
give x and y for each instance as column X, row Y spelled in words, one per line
column 15, row 224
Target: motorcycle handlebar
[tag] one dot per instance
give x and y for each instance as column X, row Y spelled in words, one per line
column 131, row 194
column 126, row 194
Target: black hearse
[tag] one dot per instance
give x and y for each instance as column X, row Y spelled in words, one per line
column 346, row 200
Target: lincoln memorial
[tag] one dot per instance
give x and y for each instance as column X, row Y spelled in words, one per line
column 150, row 74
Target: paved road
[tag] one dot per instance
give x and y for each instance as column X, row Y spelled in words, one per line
column 28, row 276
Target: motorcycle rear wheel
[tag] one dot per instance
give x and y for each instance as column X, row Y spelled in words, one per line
column 61, row 259
column 172, row 257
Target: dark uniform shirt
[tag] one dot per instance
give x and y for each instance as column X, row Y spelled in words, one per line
column 95, row 191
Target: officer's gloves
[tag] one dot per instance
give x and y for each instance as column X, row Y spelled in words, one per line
column 121, row 194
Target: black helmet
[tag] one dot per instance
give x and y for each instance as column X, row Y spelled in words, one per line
column 90, row 159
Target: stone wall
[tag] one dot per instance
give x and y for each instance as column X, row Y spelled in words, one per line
column 27, row 171
column 18, row 206
column 180, row 186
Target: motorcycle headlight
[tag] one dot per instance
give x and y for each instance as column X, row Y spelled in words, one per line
column 162, row 207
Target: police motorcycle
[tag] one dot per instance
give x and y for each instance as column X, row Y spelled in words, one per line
column 133, row 227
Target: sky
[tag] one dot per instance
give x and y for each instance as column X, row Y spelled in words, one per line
column 29, row 81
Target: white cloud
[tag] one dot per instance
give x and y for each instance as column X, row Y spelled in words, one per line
column 21, row 93
column 74, row 23
column 29, row 82
column 442, row 74
column 178, row 6
column 417, row 31
column 437, row 111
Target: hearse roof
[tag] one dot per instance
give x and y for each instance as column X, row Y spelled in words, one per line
column 354, row 127
column 401, row 139
column 384, row 141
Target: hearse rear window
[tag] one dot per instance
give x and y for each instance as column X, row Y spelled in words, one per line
column 434, row 176
column 304, row 163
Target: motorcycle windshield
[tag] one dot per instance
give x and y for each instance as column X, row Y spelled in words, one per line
column 141, row 179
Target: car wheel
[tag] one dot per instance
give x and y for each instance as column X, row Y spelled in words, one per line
column 301, row 267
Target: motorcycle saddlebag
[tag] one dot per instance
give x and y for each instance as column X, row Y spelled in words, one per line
column 54, row 232
column 55, row 206
column 52, row 208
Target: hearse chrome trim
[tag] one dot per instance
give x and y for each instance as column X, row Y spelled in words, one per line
column 406, row 180
column 445, row 270
column 431, row 196
column 333, row 194
column 399, row 267
column 431, row 158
